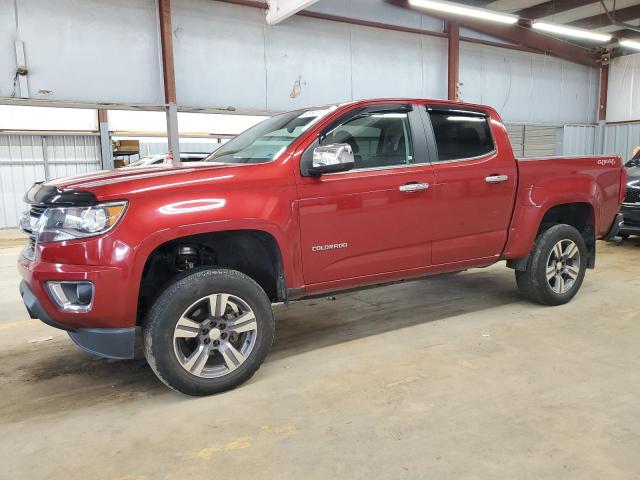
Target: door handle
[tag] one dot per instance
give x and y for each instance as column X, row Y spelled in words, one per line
column 413, row 187
column 496, row 178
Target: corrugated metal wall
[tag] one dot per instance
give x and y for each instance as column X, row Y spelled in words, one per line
column 530, row 140
column 618, row 139
column 25, row 159
column 622, row 139
column 579, row 140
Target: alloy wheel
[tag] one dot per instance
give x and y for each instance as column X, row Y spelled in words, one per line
column 563, row 266
column 215, row 335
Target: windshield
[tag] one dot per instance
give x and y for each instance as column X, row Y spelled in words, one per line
column 147, row 161
column 268, row 139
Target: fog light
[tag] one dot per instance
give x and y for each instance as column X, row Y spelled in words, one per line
column 71, row 296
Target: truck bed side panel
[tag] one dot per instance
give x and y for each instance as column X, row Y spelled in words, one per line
column 547, row 182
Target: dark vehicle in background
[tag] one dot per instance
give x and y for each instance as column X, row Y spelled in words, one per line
column 631, row 205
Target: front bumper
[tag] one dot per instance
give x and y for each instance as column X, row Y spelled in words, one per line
column 106, row 342
column 631, row 220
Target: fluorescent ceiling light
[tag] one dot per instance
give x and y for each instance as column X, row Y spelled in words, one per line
column 571, row 32
column 630, row 44
column 456, row 9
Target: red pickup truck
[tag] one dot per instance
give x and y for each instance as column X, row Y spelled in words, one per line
column 305, row 203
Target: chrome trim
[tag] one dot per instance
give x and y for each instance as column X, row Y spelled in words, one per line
column 374, row 169
column 57, row 295
column 467, row 159
column 496, row 178
column 413, row 187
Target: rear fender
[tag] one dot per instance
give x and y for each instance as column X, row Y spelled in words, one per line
column 534, row 203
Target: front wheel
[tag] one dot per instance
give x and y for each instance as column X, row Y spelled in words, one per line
column 209, row 331
column 556, row 266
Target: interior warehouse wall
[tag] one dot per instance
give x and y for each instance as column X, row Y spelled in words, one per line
column 226, row 55
column 623, row 102
column 83, row 50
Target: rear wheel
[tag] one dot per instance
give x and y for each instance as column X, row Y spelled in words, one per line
column 209, row 331
column 556, row 266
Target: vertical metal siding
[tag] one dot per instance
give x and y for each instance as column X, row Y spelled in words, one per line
column 579, row 140
column 516, row 136
column 621, row 139
column 530, row 140
column 25, row 159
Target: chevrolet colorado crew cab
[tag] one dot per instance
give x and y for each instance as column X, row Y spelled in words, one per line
column 303, row 204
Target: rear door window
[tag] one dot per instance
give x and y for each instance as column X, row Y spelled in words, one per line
column 461, row 134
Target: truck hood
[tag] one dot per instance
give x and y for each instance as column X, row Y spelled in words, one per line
column 123, row 183
column 109, row 177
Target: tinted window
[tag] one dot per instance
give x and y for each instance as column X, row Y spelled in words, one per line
column 377, row 139
column 460, row 135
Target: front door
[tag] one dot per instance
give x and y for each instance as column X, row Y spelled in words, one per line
column 375, row 219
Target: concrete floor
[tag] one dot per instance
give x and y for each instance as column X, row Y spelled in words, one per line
column 450, row 378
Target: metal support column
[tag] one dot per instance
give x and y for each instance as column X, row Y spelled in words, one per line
column 172, row 132
column 453, row 63
column 604, row 86
column 106, row 150
column 166, row 45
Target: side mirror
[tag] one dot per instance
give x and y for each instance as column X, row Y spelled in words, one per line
column 337, row 157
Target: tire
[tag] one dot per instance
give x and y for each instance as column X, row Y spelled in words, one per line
column 209, row 331
column 534, row 283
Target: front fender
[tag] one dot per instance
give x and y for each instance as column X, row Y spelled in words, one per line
column 166, row 218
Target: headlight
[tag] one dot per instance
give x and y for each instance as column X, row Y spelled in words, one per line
column 68, row 223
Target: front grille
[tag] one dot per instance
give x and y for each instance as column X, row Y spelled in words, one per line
column 27, row 224
column 632, row 195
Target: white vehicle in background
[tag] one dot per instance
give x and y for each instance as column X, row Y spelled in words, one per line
column 164, row 158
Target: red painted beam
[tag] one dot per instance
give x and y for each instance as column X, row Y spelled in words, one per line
column 166, row 45
column 602, row 20
column 604, row 86
column 453, row 57
column 549, row 8
column 532, row 39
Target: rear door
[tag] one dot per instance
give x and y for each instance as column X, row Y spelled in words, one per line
column 475, row 184
column 375, row 219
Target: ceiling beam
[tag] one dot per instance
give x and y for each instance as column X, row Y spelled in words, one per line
column 549, row 8
column 626, row 33
column 524, row 36
column 279, row 10
column 602, row 20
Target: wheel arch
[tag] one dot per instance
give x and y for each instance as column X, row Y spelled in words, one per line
column 579, row 214
column 254, row 252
